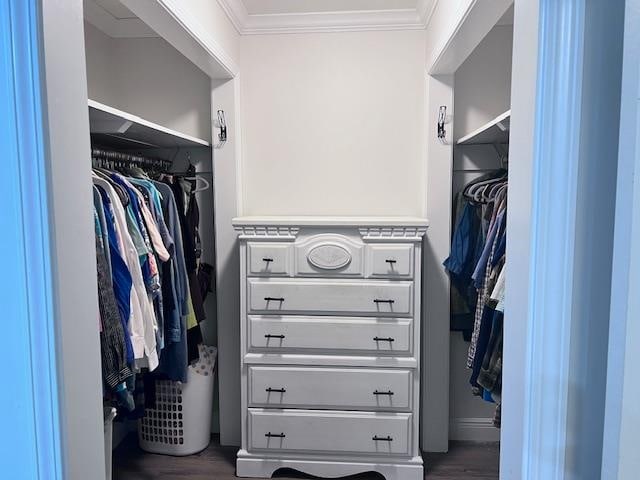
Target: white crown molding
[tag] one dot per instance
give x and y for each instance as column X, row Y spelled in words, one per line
column 338, row 21
column 116, row 27
column 426, row 8
column 237, row 13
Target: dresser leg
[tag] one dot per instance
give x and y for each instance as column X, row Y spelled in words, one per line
column 252, row 468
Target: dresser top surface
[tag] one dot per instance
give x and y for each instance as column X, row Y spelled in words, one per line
column 330, row 221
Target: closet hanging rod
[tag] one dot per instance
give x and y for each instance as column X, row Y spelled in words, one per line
column 188, row 174
column 113, row 156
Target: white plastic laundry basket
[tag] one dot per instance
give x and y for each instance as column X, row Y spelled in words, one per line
column 109, row 415
column 181, row 422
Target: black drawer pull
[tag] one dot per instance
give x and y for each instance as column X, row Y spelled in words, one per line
column 275, row 435
column 274, row 299
column 268, row 335
column 391, row 261
column 382, row 339
column 382, row 439
column 389, row 392
column 267, row 260
column 276, row 390
column 390, row 302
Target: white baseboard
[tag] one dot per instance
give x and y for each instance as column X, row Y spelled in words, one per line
column 473, row 429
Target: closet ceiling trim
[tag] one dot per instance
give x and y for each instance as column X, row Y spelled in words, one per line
column 334, row 21
column 472, row 24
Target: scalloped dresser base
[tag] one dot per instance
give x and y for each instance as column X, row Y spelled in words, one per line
column 256, row 467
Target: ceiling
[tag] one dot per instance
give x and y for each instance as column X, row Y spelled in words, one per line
column 297, row 16
column 268, row 7
column 251, row 17
column 116, row 20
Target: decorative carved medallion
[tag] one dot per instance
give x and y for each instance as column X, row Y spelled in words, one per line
column 329, row 257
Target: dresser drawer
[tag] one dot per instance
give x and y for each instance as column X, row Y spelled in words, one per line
column 330, row 388
column 330, row 432
column 390, row 261
column 329, row 255
column 372, row 336
column 370, row 298
column 269, row 259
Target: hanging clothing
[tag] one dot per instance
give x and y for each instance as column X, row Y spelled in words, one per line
column 174, row 359
column 112, row 337
column 189, row 218
column 189, row 221
column 466, row 241
column 151, row 283
column 120, row 276
column 489, row 375
column 477, row 270
column 142, row 319
column 481, row 277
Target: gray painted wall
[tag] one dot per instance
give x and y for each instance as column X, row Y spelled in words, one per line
column 228, row 265
column 437, row 244
column 73, row 236
column 483, row 82
column 149, row 78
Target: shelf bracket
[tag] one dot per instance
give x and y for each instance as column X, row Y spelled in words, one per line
column 126, row 125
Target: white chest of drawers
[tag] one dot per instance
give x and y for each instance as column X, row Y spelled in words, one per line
column 330, row 332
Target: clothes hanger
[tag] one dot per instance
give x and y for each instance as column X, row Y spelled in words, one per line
column 121, row 192
column 495, row 190
column 203, row 187
column 478, row 192
column 473, row 191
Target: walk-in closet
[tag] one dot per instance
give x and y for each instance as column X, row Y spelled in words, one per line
column 481, row 119
column 162, row 142
column 470, row 113
column 274, row 238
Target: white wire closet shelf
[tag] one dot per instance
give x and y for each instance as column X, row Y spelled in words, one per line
column 491, row 133
column 117, row 128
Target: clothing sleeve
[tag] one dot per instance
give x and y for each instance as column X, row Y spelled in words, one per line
column 154, row 234
column 462, row 243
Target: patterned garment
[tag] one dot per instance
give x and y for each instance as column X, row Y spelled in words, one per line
column 482, row 292
column 112, row 340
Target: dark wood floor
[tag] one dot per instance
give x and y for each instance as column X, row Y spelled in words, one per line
column 473, row 461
